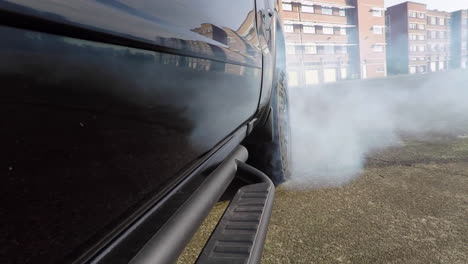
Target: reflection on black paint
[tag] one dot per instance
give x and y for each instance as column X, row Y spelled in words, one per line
column 89, row 131
column 163, row 23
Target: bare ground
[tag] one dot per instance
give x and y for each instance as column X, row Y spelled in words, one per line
column 410, row 205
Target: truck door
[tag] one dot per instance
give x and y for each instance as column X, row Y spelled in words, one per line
column 106, row 105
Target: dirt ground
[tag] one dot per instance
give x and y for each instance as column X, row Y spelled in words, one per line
column 409, row 205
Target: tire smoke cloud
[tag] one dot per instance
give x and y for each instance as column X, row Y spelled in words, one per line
column 335, row 126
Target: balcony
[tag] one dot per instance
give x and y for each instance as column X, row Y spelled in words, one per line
column 324, row 18
column 344, row 58
column 290, row 15
column 293, row 37
column 324, row 38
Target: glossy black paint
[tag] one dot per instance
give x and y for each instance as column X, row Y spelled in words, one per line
column 123, row 249
column 266, row 26
column 219, row 30
column 91, row 130
column 106, row 106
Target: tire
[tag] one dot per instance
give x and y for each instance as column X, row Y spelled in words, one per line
column 273, row 157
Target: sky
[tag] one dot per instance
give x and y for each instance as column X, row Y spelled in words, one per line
column 443, row 5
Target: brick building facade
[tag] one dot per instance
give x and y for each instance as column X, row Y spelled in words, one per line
column 370, row 17
column 438, row 40
column 421, row 40
column 334, row 40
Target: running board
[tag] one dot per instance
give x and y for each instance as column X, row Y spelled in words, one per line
column 240, row 235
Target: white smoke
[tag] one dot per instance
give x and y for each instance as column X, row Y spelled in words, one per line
column 335, row 126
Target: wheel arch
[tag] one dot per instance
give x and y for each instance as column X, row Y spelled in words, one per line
column 263, row 126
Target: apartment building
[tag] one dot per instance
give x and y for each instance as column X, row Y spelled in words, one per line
column 324, row 43
column 370, row 17
column 459, row 32
column 418, row 39
column 438, row 40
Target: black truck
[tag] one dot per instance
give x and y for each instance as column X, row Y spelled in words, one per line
column 124, row 121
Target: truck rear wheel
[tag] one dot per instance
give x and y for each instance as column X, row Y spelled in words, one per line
column 273, row 156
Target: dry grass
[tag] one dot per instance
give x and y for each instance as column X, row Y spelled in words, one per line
column 410, row 205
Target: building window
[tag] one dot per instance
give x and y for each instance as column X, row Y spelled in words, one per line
column 341, row 50
column 421, row 15
column 327, row 31
column 412, row 25
column 310, row 50
column 341, row 12
column 412, row 14
column 422, row 69
column 377, row 12
column 377, row 30
column 412, row 47
column 290, row 49
column 311, row 76
column 378, row 48
column 421, row 37
column 328, row 50
column 327, row 10
column 440, row 34
column 412, row 69
column 293, row 79
column 412, row 36
column 307, row 9
column 344, row 73
column 287, row 6
column 309, row 29
column 421, row 26
column 288, row 28
column 441, row 21
column 441, row 65
column 432, row 20
column 433, row 34
column 421, row 48
column 342, row 31
column 329, row 75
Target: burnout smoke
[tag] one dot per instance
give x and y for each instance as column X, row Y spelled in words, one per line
column 334, row 126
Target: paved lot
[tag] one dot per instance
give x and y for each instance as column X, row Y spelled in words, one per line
column 410, row 205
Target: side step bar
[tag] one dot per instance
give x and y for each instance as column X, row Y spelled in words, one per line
column 239, row 236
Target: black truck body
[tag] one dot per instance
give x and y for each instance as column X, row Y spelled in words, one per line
column 114, row 112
